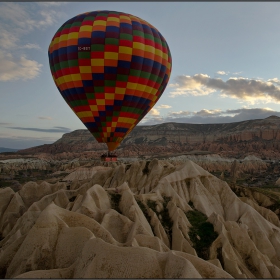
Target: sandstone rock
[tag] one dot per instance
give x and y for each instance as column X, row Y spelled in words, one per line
column 84, row 173
column 102, row 260
column 112, row 224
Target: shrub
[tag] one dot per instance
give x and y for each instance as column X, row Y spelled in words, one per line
column 191, row 204
column 202, row 229
column 145, row 212
column 163, row 216
column 152, row 204
column 220, row 256
column 146, row 168
column 165, row 220
column 72, row 198
column 115, row 201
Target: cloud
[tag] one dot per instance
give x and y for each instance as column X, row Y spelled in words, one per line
column 179, row 114
column 274, row 80
column 201, row 113
column 48, row 18
column 7, row 39
column 63, row 127
column 4, row 123
column 191, row 85
column 11, row 69
column 221, row 73
column 56, row 129
column 213, row 116
column 163, row 106
column 31, row 46
column 154, row 112
column 17, row 20
column 207, row 113
column 152, row 120
column 235, row 87
column 51, row 4
column 21, row 142
column 45, row 118
column 14, row 13
column 26, row 17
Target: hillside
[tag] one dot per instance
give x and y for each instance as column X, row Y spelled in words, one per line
column 7, row 150
column 139, row 220
column 254, row 137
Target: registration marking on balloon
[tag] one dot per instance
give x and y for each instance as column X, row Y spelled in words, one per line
column 110, row 68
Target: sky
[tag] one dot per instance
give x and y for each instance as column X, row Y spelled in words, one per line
column 225, row 65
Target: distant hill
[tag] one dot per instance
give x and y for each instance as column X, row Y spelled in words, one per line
column 5, row 150
column 260, row 137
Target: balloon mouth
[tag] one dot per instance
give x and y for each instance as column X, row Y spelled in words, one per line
column 112, row 146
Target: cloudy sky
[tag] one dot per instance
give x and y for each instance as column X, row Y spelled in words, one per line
column 225, row 64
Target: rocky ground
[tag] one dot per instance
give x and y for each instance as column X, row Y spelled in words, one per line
column 167, row 218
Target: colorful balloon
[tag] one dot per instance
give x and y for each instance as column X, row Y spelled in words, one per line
column 111, row 68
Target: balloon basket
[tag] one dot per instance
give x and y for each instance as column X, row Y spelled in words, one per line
column 109, row 158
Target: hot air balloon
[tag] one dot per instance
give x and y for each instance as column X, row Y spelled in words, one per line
column 111, row 68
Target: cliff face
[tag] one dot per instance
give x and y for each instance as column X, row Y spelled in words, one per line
column 73, row 142
column 258, row 137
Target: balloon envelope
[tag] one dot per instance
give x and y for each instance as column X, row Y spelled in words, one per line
column 111, row 68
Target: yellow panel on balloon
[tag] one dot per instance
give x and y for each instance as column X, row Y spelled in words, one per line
column 153, row 91
column 125, row 17
column 141, row 87
column 126, row 50
column 111, row 55
column 131, row 85
column 72, row 77
column 109, row 96
column 56, row 40
column 138, row 46
column 165, row 56
column 93, row 108
column 100, row 101
column 120, row 90
column 85, row 28
column 97, row 62
column 126, row 120
column 100, row 22
column 85, row 69
column 158, row 52
column 63, row 37
column 84, row 114
column 73, row 35
column 149, row 49
column 148, row 89
column 113, row 19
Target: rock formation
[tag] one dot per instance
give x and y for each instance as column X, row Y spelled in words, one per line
column 253, row 137
column 210, row 162
column 146, row 219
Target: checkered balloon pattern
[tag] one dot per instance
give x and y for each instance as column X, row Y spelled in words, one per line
column 111, row 68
